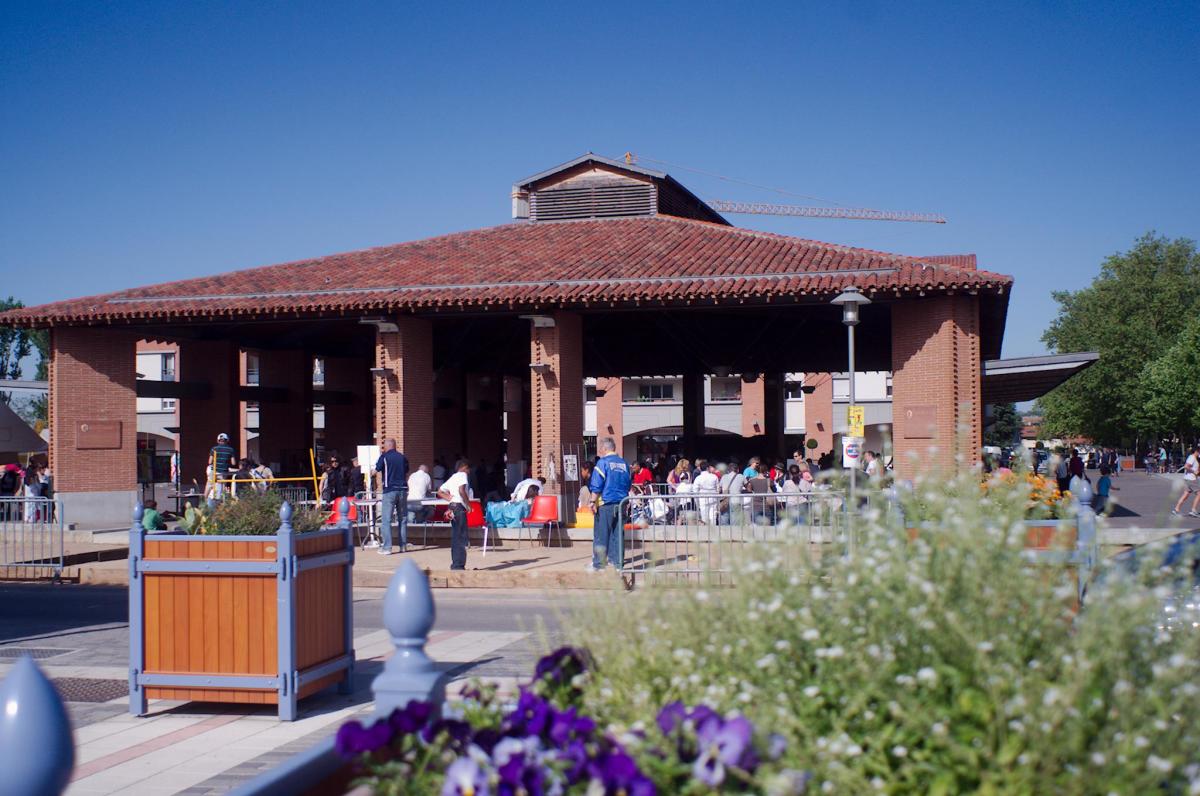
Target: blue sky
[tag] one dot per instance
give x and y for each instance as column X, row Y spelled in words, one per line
column 151, row 141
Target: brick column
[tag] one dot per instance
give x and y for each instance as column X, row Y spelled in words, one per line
column 285, row 424
column 215, row 363
column 693, row 415
column 557, row 399
column 818, row 412
column 610, row 414
column 404, row 399
column 348, row 419
column 93, row 424
column 753, row 406
column 774, row 415
column 937, row 413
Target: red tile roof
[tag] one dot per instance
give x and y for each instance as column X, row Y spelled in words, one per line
column 572, row 263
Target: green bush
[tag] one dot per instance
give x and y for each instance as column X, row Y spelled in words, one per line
column 947, row 664
column 250, row 514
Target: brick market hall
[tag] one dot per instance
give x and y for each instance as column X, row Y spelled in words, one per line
column 615, row 304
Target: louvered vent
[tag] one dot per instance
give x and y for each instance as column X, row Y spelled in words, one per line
column 593, row 201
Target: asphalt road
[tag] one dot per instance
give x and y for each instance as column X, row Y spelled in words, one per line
column 30, row 611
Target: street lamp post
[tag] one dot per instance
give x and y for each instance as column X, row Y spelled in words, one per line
column 850, row 300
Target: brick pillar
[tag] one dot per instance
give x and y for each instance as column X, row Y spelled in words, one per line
column 693, row 415
column 404, row 399
column 557, row 399
column 818, row 412
column 93, row 424
column 753, row 406
column 937, row 414
column 285, row 423
column 348, row 417
column 774, row 415
column 215, row 363
column 610, row 414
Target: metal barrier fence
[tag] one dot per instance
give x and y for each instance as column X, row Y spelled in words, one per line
column 295, row 495
column 31, row 537
column 689, row 535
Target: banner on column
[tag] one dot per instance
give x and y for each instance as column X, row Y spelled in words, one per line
column 856, row 421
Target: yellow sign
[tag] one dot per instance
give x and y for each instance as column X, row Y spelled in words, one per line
column 855, row 417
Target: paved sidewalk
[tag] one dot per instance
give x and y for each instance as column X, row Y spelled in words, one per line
column 80, row 638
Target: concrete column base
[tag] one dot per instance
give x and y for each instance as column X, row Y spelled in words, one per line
column 98, row 509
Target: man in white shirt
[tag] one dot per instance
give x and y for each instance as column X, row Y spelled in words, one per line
column 457, row 491
column 1191, row 484
column 521, row 492
column 707, row 483
column 873, row 469
column 420, row 485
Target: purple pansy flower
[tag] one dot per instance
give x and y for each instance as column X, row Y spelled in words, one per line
column 353, row 738
column 411, row 717
column 671, row 716
column 465, row 777
column 619, row 773
column 723, row 743
column 531, row 716
column 568, row 724
column 562, row 664
column 458, row 732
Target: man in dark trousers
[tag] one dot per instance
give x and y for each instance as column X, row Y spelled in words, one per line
column 457, row 491
column 610, row 485
column 392, row 477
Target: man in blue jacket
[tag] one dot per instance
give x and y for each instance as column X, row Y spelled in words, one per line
column 610, row 485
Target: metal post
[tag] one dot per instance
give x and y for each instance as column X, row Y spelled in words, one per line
column 285, row 611
column 346, row 685
column 408, row 615
column 37, row 752
column 853, row 507
column 137, row 592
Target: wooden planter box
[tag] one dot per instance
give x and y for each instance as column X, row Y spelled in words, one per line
column 262, row 620
column 1051, row 534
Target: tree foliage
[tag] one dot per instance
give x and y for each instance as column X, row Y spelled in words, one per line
column 1006, row 426
column 1133, row 312
column 15, row 346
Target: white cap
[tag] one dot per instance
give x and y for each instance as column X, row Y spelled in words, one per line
column 222, row 437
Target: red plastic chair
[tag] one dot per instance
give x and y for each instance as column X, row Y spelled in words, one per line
column 353, row 515
column 544, row 513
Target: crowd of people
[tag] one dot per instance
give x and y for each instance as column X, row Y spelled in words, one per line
column 30, row 482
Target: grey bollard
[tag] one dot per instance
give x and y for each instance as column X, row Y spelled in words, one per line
column 408, row 614
column 1086, row 542
column 285, row 517
column 343, row 513
column 37, row 752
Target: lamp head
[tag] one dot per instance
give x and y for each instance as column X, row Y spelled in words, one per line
column 850, row 300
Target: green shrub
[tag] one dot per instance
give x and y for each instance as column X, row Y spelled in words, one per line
column 250, row 514
column 948, row 664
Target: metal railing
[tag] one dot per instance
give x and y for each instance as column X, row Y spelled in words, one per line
column 31, row 537
column 688, row 535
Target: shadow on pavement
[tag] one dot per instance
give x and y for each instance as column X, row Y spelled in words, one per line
column 39, row 609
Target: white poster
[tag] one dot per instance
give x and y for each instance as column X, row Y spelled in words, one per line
column 570, row 467
column 851, row 452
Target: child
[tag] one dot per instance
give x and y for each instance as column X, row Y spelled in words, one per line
column 1103, row 487
column 151, row 519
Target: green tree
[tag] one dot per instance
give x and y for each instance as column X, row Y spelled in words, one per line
column 15, row 346
column 1167, row 387
column 1133, row 311
column 1005, row 427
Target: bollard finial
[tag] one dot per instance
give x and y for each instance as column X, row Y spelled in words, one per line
column 37, row 752
column 408, row 615
column 139, row 511
column 343, row 508
column 285, row 517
